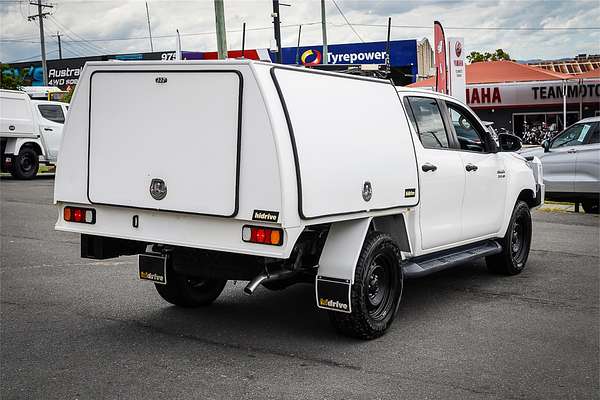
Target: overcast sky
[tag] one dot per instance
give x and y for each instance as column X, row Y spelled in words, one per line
column 86, row 26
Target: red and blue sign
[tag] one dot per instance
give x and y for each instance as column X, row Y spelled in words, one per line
column 403, row 54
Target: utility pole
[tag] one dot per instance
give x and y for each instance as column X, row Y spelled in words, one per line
column 178, row 55
column 298, row 46
column 40, row 16
column 149, row 29
column 220, row 24
column 324, row 28
column 243, row 39
column 59, row 46
column 277, row 29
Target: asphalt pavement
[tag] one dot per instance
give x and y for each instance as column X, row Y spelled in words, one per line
column 72, row 328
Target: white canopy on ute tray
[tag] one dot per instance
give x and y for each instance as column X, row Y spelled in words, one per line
column 228, row 142
column 350, row 135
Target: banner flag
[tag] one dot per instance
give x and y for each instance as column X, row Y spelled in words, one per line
column 441, row 72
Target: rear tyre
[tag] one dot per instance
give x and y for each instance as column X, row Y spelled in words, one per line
column 26, row 164
column 515, row 244
column 185, row 291
column 591, row 206
column 375, row 294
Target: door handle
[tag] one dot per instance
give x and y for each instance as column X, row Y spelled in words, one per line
column 572, row 151
column 428, row 167
column 471, row 167
column 48, row 129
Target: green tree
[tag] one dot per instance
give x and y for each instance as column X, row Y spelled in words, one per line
column 9, row 79
column 67, row 97
column 499, row 54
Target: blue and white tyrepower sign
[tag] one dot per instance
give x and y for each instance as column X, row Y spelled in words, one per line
column 403, row 53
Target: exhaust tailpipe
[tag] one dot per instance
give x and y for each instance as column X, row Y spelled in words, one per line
column 266, row 277
column 253, row 284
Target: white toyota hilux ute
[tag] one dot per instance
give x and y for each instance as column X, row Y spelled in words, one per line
column 30, row 132
column 241, row 170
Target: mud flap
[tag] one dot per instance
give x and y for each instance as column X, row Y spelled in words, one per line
column 338, row 263
column 333, row 294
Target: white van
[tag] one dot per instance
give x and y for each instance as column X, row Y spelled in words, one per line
column 241, row 170
column 30, row 132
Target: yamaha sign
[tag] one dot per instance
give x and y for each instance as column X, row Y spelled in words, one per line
column 531, row 93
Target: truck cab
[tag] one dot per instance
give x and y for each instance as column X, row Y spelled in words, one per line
column 353, row 190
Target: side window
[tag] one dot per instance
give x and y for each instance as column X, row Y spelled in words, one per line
column 468, row 135
column 52, row 112
column 575, row 135
column 430, row 124
column 595, row 135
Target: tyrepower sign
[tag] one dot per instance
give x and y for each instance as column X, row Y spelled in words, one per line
column 531, row 93
column 402, row 53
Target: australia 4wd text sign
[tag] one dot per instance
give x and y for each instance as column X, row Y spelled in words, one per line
column 531, row 93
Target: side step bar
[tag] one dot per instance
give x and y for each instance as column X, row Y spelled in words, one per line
column 430, row 263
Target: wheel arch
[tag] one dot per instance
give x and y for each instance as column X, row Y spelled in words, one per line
column 528, row 196
column 14, row 146
column 346, row 238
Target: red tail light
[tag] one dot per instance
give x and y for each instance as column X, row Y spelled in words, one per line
column 262, row 235
column 78, row 214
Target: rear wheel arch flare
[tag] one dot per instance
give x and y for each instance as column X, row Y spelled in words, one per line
column 395, row 226
column 33, row 145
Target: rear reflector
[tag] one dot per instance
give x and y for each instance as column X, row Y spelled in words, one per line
column 78, row 214
column 262, row 235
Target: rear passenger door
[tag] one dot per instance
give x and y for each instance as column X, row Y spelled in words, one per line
column 484, row 199
column 441, row 175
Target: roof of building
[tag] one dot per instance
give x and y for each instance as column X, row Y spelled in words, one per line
column 501, row 72
column 578, row 65
column 595, row 73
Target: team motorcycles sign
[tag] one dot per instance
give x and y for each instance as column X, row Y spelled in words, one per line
column 532, row 93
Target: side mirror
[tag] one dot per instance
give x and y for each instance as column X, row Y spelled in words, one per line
column 546, row 145
column 509, row 142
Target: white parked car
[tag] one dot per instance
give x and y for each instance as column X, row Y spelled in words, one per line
column 278, row 175
column 30, row 132
column 571, row 162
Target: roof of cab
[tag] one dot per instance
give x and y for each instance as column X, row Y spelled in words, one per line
column 590, row 119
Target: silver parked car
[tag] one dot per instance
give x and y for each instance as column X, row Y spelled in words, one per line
column 571, row 162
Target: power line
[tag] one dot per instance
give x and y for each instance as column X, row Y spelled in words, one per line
column 32, row 57
column 346, row 19
column 158, row 37
column 496, row 28
column 81, row 47
column 501, row 28
column 83, row 40
column 18, row 41
column 71, row 51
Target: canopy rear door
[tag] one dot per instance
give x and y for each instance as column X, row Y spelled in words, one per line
column 176, row 132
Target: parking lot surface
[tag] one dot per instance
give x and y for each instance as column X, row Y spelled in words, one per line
column 82, row 329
